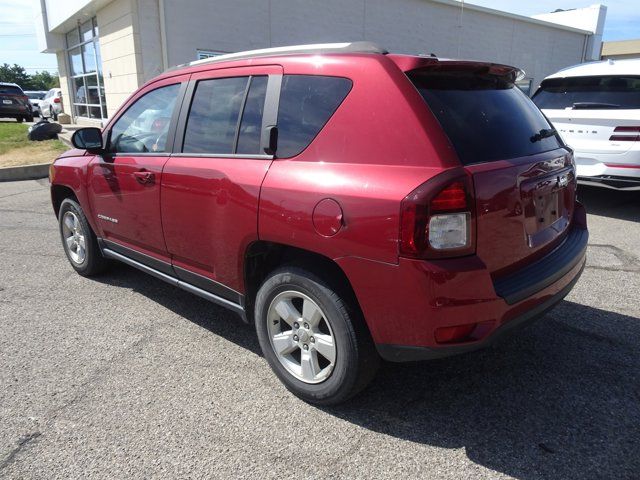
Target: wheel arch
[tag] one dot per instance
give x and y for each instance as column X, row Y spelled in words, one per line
column 263, row 257
column 58, row 194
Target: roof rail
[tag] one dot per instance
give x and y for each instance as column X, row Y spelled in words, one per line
column 316, row 48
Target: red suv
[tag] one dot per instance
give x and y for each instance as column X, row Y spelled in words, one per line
column 354, row 204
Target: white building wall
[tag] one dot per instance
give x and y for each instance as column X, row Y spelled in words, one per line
column 402, row 26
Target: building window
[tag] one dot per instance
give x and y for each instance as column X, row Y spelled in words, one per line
column 86, row 81
column 202, row 54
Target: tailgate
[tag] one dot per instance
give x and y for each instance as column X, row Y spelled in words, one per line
column 524, row 207
column 523, row 175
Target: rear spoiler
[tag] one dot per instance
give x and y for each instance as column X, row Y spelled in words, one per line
column 410, row 63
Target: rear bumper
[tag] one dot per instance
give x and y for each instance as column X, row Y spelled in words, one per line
column 404, row 353
column 615, row 171
column 14, row 110
column 405, row 304
column 614, row 182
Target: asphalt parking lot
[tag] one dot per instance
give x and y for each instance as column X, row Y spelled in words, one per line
column 124, row 376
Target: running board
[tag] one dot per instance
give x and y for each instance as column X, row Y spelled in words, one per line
column 177, row 283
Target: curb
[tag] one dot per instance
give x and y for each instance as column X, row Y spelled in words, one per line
column 27, row 172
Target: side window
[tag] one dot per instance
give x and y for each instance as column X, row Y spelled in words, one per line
column 306, row 104
column 145, row 124
column 213, row 117
column 251, row 124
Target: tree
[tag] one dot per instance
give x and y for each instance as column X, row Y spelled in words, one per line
column 37, row 81
column 15, row 74
column 44, row 81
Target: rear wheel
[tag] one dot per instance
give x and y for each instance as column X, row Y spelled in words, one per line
column 79, row 242
column 312, row 338
column 55, row 116
column 19, row 119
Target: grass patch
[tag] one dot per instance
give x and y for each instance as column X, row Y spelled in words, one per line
column 16, row 149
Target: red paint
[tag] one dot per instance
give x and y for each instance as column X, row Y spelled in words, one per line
column 341, row 198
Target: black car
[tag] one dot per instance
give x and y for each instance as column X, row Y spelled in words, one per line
column 14, row 103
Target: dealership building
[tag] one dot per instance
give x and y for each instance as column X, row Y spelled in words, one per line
column 106, row 49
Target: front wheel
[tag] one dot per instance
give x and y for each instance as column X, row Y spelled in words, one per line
column 79, row 242
column 312, row 338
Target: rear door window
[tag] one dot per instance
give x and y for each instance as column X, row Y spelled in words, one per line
column 485, row 117
column 595, row 92
column 306, row 104
column 226, row 116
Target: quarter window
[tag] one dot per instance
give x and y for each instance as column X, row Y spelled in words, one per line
column 306, row 104
column 145, row 125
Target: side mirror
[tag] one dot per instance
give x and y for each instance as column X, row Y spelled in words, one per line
column 89, row 138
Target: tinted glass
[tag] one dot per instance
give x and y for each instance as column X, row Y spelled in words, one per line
column 251, row 124
column 485, row 117
column 213, row 117
column 306, row 104
column 145, row 124
column 9, row 90
column 589, row 92
column 35, row 95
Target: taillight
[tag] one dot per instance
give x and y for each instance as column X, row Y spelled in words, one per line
column 56, row 100
column 629, row 134
column 437, row 219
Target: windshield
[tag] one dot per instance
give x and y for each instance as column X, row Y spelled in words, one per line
column 485, row 117
column 589, row 92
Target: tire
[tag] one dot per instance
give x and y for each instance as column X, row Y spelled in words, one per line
column 75, row 232
column 355, row 360
column 29, row 118
column 19, row 119
column 55, row 116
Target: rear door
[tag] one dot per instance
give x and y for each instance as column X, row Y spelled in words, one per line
column 523, row 176
column 124, row 184
column 211, row 185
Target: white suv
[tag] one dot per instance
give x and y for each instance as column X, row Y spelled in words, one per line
column 595, row 107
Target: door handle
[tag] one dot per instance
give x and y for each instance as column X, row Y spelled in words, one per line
column 144, row 177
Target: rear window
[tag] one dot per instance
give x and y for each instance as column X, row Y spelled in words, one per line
column 9, row 90
column 306, row 104
column 485, row 117
column 589, row 92
column 35, row 95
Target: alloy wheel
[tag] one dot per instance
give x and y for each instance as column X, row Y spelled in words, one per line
column 74, row 237
column 301, row 337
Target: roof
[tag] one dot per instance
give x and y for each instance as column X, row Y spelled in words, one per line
column 605, row 67
column 621, row 47
column 9, row 84
column 316, row 48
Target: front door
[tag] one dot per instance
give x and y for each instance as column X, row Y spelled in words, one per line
column 211, row 184
column 124, row 183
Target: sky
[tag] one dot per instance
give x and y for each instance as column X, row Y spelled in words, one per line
column 18, row 38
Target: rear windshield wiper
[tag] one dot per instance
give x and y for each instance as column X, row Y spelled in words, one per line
column 589, row 105
column 542, row 134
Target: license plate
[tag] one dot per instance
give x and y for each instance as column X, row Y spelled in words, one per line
column 7, row 102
